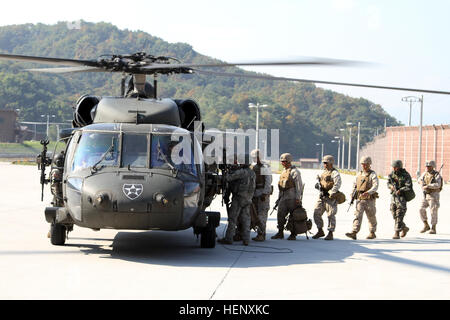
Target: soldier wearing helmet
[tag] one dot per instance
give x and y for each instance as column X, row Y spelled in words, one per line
column 400, row 183
column 290, row 188
column 365, row 186
column 329, row 184
column 261, row 197
column 431, row 182
column 242, row 184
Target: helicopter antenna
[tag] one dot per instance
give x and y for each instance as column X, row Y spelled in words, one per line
column 155, row 86
column 122, row 85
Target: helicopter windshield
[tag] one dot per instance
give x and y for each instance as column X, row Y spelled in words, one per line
column 96, row 148
column 163, row 155
column 134, row 150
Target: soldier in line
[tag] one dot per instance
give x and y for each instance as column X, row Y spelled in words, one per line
column 366, row 186
column 330, row 182
column 290, row 193
column 242, row 184
column 263, row 190
column 399, row 182
column 431, row 182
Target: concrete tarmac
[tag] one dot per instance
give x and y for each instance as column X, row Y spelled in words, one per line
column 123, row 264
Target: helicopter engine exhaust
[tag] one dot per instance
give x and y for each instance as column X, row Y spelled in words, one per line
column 189, row 113
column 84, row 111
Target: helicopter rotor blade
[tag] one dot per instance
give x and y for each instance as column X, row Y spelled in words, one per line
column 54, row 61
column 263, row 77
column 306, row 62
column 67, row 69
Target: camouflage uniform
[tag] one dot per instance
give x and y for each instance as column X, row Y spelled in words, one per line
column 261, row 198
column 242, row 183
column 291, row 189
column 366, row 182
column 401, row 180
column 330, row 181
column 431, row 183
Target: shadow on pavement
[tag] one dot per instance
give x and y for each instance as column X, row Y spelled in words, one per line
column 182, row 248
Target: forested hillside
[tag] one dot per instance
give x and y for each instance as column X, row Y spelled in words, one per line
column 305, row 114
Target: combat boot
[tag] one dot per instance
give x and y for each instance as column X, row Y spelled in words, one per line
column 351, row 235
column 279, row 235
column 433, row 229
column 371, row 235
column 259, row 237
column 224, row 241
column 329, row 236
column 426, row 227
column 292, row 237
column 245, row 242
column 319, row 234
column 396, row 235
column 404, row 231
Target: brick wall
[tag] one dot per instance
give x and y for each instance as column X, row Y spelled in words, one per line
column 403, row 143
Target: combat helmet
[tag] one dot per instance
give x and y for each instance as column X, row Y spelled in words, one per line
column 366, row 160
column 430, row 163
column 397, row 164
column 286, row 157
column 328, row 159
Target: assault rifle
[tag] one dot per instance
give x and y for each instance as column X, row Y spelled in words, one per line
column 323, row 192
column 43, row 161
column 275, row 206
column 354, row 195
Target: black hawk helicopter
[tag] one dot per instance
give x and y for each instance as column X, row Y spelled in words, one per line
column 116, row 170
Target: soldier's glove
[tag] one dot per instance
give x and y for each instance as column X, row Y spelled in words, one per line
column 317, row 186
column 263, row 197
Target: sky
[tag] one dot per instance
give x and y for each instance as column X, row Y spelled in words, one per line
column 405, row 41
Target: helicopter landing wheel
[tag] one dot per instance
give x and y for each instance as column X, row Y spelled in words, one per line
column 57, row 234
column 208, row 237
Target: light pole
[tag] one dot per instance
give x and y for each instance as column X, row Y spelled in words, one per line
column 357, row 147
column 343, row 148
column 257, row 106
column 339, row 147
column 410, row 99
column 48, row 120
column 419, row 166
column 349, row 145
column 339, row 151
column 318, row 144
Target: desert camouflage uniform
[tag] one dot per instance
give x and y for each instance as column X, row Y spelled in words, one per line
column 261, row 198
column 331, row 182
column 242, row 183
column 431, row 183
column 366, row 182
column 291, row 189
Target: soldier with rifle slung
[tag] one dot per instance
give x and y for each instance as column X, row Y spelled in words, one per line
column 329, row 184
column 242, row 184
column 365, row 193
column 431, row 182
column 261, row 198
column 400, row 184
column 290, row 194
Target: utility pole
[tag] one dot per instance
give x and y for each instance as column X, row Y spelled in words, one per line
column 349, row 145
column 339, row 151
column 257, row 106
column 419, row 166
column 357, row 147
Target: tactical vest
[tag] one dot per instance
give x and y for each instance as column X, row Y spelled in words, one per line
column 260, row 180
column 326, row 181
column 286, row 181
column 428, row 179
column 363, row 184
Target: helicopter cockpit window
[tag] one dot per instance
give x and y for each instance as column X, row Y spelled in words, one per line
column 163, row 157
column 96, row 148
column 134, row 150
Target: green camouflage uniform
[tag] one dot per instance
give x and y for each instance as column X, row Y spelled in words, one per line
column 242, row 184
column 401, row 180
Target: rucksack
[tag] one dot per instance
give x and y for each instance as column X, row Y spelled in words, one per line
column 298, row 222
